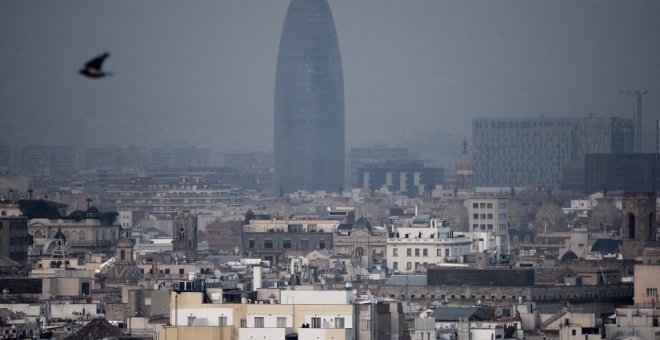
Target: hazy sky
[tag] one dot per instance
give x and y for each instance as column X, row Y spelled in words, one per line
column 203, row 72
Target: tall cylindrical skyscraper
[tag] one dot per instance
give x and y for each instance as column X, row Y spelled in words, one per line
column 309, row 101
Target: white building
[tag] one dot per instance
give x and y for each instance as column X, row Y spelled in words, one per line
column 426, row 242
column 488, row 215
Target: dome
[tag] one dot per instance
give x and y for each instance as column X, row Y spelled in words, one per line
column 464, row 162
column 60, row 235
column 569, row 255
column 124, row 242
column 362, row 222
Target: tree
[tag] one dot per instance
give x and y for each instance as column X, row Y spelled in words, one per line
column 38, row 209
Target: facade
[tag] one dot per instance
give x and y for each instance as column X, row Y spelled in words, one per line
column 415, row 248
column 14, row 237
column 521, row 151
column 361, row 241
column 379, row 154
column 534, row 151
column 178, row 158
column 249, row 160
column 81, row 237
column 184, row 233
column 49, row 160
column 273, row 239
column 647, row 284
column 113, row 158
column 309, row 314
column 623, row 135
column 309, row 102
column 625, row 172
column 488, row 216
column 412, row 179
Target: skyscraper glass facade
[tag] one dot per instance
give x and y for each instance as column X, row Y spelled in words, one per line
column 309, row 101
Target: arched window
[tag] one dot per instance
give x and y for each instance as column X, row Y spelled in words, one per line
column 182, row 235
column 651, row 225
column 81, row 235
column 122, row 255
column 631, row 226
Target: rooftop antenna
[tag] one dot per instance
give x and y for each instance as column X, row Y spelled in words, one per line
column 638, row 116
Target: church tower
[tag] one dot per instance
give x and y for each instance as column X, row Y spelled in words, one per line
column 638, row 222
column 464, row 174
column 185, row 235
column 124, row 248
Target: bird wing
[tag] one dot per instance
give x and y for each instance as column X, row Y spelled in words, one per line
column 97, row 62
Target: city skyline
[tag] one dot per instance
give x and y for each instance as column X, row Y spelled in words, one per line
column 204, row 74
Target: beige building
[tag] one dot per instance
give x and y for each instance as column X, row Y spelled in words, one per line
column 647, row 284
column 361, row 241
column 311, row 314
column 82, row 237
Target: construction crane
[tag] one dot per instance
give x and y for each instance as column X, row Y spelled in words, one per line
column 638, row 116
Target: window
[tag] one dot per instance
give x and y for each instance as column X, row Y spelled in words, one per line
column 339, row 322
column 573, row 332
column 258, row 322
column 409, row 252
column 395, row 252
column 181, row 271
column 321, row 244
column 475, row 216
column 268, row 244
column 222, row 321
column 365, row 324
column 425, row 252
column 489, row 216
column 243, row 323
column 281, row 322
column 482, row 205
column 251, row 244
column 489, row 205
column 409, row 265
column 438, row 252
column 651, row 292
column 167, row 271
column 304, row 244
column 286, row 244
column 416, row 251
column 395, row 265
column 316, row 322
column 191, row 320
column 475, row 205
column 446, row 252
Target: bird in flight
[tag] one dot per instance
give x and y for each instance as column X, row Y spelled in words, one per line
column 93, row 67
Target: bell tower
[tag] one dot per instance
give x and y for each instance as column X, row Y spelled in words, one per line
column 184, row 235
column 638, row 222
